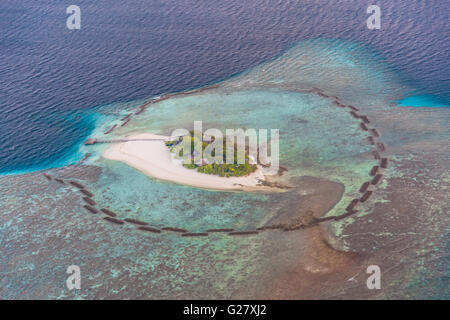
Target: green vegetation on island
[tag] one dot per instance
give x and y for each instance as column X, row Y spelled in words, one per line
column 211, row 167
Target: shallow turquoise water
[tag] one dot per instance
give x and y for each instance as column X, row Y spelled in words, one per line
column 422, row 101
column 316, row 138
column 310, row 144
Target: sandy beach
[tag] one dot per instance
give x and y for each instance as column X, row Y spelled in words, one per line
column 154, row 159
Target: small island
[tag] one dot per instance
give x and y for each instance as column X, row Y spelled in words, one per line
column 151, row 154
column 222, row 169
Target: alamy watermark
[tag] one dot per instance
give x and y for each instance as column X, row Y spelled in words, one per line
column 236, row 146
column 374, row 280
column 374, row 21
column 73, row 22
column 74, row 280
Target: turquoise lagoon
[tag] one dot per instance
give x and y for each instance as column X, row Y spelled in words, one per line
column 316, row 138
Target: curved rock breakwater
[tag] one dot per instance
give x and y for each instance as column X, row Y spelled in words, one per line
column 366, row 188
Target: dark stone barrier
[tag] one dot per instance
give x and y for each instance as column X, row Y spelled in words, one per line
column 220, row 230
column 76, row 184
column 365, row 119
column 175, row 229
column 89, row 201
column 374, row 171
column 364, row 187
column 352, row 205
column 108, row 212
column 150, row 229
column 376, row 179
column 113, row 220
column 242, row 233
column 135, row 221
column 91, row 209
column 366, row 196
column 87, row 193
column 374, row 132
column 380, row 146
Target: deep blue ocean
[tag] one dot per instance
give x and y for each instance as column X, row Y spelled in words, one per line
column 52, row 78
